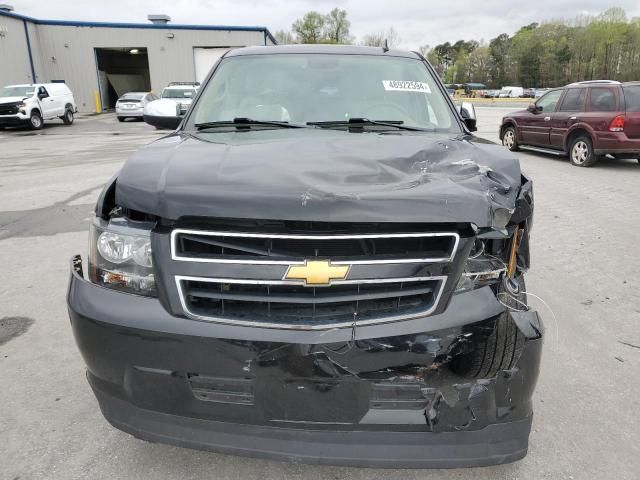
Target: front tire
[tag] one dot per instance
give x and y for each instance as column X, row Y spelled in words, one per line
column 581, row 152
column 510, row 139
column 501, row 348
column 67, row 118
column 121, row 119
column 35, row 121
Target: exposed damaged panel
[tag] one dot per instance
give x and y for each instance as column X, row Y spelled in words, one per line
column 107, row 199
column 325, row 175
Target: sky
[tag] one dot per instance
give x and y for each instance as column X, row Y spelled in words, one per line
column 418, row 22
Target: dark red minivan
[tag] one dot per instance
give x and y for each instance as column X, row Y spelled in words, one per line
column 585, row 120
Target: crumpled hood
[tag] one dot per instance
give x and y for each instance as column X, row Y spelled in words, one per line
column 321, row 175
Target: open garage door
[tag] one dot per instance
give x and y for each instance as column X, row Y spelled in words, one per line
column 121, row 70
column 204, row 58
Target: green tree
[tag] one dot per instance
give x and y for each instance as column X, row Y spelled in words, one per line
column 337, row 27
column 378, row 39
column 309, row 28
column 499, row 61
column 284, row 37
column 478, row 63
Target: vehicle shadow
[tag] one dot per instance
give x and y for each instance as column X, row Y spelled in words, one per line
column 602, row 163
column 26, row 130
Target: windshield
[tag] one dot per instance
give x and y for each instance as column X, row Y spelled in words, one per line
column 17, row 91
column 178, row 93
column 304, row 88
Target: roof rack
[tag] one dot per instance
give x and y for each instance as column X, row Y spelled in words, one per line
column 192, row 84
column 596, row 82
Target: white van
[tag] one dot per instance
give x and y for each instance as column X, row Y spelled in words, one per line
column 33, row 104
column 511, row 92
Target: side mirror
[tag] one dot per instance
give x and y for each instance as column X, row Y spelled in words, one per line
column 42, row 95
column 532, row 108
column 163, row 114
column 468, row 114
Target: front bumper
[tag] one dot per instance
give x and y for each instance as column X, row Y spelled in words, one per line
column 13, row 120
column 380, row 396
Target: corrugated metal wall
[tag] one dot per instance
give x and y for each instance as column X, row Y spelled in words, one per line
column 35, row 49
column 14, row 56
column 67, row 53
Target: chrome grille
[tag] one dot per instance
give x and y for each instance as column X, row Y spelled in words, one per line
column 256, row 292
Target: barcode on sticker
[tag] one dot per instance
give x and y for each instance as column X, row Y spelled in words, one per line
column 405, row 86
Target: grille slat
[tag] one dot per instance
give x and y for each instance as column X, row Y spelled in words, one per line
column 233, row 247
column 230, row 248
column 310, row 298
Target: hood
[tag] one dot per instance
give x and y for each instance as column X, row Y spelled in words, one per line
column 12, row 99
column 321, row 175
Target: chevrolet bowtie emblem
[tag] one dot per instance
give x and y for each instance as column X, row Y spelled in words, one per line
column 317, row 272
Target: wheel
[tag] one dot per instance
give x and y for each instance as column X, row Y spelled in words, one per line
column 121, row 119
column 67, row 118
column 509, row 139
column 500, row 350
column 581, row 152
column 35, row 121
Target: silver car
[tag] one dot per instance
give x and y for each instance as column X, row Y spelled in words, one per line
column 131, row 105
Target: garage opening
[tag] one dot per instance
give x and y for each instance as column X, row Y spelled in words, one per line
column 121, row 70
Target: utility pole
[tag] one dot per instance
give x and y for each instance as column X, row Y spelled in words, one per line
column 447, row 60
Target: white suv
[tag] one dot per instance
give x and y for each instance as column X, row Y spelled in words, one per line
column 182, row 93
column 33, row 104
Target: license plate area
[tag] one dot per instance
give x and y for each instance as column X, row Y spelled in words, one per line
column 330, row 401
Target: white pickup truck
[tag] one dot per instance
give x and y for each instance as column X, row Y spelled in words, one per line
column 35, row 103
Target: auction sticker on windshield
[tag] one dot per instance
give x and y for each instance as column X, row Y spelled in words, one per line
column 405, row 86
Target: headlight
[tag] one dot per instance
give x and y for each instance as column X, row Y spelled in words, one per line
column 120, row 256
column 481, row 269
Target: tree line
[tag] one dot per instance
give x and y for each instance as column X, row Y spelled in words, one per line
column 549, row 54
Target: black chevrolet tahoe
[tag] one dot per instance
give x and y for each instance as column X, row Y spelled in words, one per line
column 320, row 264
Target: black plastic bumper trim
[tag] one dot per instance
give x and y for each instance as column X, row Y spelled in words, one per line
column 495, row 444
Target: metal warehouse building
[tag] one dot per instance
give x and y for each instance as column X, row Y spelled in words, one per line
column 100, row 61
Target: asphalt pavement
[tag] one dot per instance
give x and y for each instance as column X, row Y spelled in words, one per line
column 584, row 276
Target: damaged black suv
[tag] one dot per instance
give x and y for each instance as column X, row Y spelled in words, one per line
column 321, row 264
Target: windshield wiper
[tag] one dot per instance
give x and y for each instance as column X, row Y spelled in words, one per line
column 245, row 123
column 359, row 121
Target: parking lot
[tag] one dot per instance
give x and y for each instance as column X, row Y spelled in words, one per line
column 584, row 276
